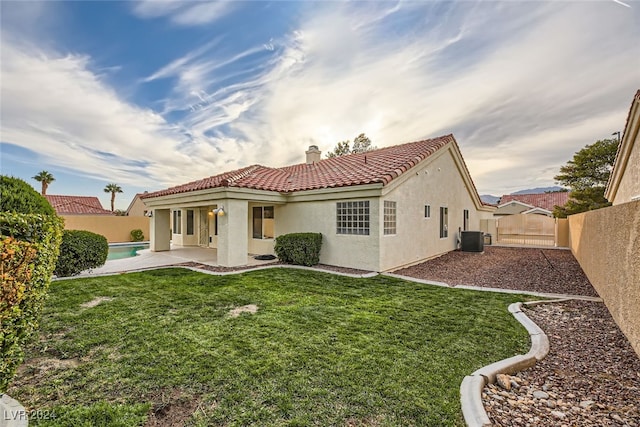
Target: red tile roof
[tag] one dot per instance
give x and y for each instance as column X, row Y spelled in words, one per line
column 540, row 200
column 77, row 205
column 376, row 166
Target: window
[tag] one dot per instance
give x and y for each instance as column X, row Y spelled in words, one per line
column 263, row 222
column 427, row 211
column 389, row 217
column 177, row 222
column 189, row 222
column 444, row 222
column 465, row 220
column 353, row 217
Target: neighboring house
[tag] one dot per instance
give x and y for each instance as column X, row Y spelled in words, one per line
column 137, row 206
column 377, row 210
column 624, row 181
column 540, row 203
column 77, row 205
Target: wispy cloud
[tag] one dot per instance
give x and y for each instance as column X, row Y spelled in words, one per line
column 521, row 85
column 181, row 12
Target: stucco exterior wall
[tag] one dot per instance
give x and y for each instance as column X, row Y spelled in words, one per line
column 606, row 243
column 438, row 184
column 342, row 250
column 630, row 182
column 137, row 208
column 116, row 229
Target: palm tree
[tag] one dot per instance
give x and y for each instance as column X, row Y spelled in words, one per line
column 45, row 178
column 113, row 189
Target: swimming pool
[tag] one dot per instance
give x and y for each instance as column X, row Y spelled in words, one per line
column 125, row 250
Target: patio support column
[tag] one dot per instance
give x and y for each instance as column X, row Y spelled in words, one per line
column 233, row 233
column 159, row 229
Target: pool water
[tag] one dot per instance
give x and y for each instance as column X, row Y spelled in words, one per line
column 125, row 251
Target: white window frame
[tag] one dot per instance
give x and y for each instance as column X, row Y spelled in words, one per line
column 444, row 222
column 177, row 221
column 427, row 211
column 389, row 217
column 353, row 217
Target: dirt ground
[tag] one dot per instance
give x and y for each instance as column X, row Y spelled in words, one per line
column 525, row 269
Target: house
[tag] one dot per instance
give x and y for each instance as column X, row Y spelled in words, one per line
column 377, row 211
column 624, row 181
column 538, row 203
column 77, row 205
column 137, row 206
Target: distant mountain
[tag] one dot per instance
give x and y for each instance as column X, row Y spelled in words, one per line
column 539, row 190
column 488, row 198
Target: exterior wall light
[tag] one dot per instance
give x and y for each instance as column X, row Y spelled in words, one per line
column 148, row 214
column 219, row 211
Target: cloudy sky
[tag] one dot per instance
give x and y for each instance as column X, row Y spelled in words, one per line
column 152, row 94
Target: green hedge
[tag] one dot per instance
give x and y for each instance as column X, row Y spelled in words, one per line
column 79, row 251
column 299, row 248
column 19, row 197
column 137, row 235
column 29, row 249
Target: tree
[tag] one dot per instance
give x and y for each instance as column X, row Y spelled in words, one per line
column 45, row 178
column 586, row 175
column 341, row 149
column 361, row 144
column 113, row 189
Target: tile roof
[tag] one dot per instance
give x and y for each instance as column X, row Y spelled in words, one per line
column 376, row 166
column 540, row 200
column 77, row 205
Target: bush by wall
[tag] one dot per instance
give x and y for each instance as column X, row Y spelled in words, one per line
column 19, row 197
column 137, row 235
column 29, row 245
column 299, row 248
column 79, row 251
column 30, row 235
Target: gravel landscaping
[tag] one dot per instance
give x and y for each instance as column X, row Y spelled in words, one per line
column 591, row 376
column 524, row 269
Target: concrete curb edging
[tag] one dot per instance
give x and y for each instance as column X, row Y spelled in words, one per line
column 12, row 413
column 473, row 385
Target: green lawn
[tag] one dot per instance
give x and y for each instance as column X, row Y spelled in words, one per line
column 321, row 350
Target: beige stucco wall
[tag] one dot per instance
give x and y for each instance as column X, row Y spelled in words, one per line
column 438, row 184
column 337, row 249
column 115, row 228
column 630, row 182
column 606, row 243
column 138, row 208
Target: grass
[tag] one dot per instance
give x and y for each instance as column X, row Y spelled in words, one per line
column 321, row 350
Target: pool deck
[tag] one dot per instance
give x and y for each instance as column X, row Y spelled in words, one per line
column 148, row 259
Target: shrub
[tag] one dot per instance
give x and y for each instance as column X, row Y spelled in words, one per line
column 29, row 245
column 299, row 248
column 137, row 235
column 19, row 197
column 79, row 251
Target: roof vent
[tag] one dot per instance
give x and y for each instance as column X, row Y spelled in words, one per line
column 313, row 154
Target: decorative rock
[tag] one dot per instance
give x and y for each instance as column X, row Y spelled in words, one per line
column 557, row 414
column 504, row 381
column 540, row 394
column 586, row 403
column 616, row 417
column 551, row 404
column 571, row 396
column 514, row 384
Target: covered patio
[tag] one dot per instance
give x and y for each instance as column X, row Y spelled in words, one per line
column 177, row 255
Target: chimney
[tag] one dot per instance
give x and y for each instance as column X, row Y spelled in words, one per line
column 313, row 154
